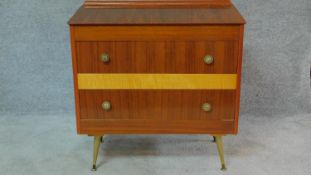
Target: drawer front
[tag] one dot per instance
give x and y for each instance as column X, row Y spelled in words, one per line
column 157, row 105
column 157, row 56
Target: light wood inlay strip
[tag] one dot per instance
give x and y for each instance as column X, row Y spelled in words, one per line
column 157, row 81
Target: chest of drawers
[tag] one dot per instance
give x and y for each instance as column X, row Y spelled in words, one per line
column 157, row 71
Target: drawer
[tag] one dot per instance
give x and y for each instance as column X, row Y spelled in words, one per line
column 157, row 105
column 157, row 56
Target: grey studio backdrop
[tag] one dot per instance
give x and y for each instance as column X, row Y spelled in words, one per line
column 36, row 86
column 36, row 73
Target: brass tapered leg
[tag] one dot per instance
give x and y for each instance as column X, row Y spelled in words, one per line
column 220, row 148
column 96, row 150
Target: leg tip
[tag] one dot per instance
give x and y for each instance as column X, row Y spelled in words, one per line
column 223, row 168
column 214, row 139
column 94, row 168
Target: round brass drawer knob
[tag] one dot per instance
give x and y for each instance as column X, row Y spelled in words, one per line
column 207, row 107
column 105, row 58
column 208, row 59
column 106, row 105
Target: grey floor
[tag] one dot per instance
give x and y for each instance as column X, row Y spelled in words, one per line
column 48, row 144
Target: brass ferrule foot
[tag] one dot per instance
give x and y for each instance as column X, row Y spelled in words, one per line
column 94, row 168
column 223, row 167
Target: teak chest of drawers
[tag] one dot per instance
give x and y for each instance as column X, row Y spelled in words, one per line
column 157, row 71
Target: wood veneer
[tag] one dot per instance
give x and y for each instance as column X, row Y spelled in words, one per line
column 156, row 16
column 157, row 81
column 158, row 104
column 159, row 41
column 98, row 127
column 157, row 67
column 168, row 56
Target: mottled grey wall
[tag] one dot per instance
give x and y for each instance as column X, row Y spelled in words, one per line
column 277, row 56
column 35, row 63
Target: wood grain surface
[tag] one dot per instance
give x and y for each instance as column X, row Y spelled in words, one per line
column 157, row 104
column 157, row 56
column 157, row 41
column 101, row 127
column 157, row 81
column 156, row 16
column 154, row 106
column 157, row 33
column 75, row 77
column 239, row 72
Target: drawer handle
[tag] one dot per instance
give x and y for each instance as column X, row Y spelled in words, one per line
column 208, row 59
column 207, row 107
column 105, row 58
column 106, row 105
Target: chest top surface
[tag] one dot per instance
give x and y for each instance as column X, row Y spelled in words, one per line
column 157, row 16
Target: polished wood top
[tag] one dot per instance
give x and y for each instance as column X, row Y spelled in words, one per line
column 155, row 3
column 157, row 16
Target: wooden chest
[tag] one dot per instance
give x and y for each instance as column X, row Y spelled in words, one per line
column 157, row 71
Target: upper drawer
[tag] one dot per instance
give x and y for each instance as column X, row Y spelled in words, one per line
column 157, row 49
column 188, row 56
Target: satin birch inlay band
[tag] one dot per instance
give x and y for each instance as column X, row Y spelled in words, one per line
column 157, row 81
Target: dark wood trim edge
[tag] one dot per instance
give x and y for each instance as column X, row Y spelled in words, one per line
column 75, row 77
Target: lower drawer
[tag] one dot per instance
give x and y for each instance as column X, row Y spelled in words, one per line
column 157, row 111
column 157, row 104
